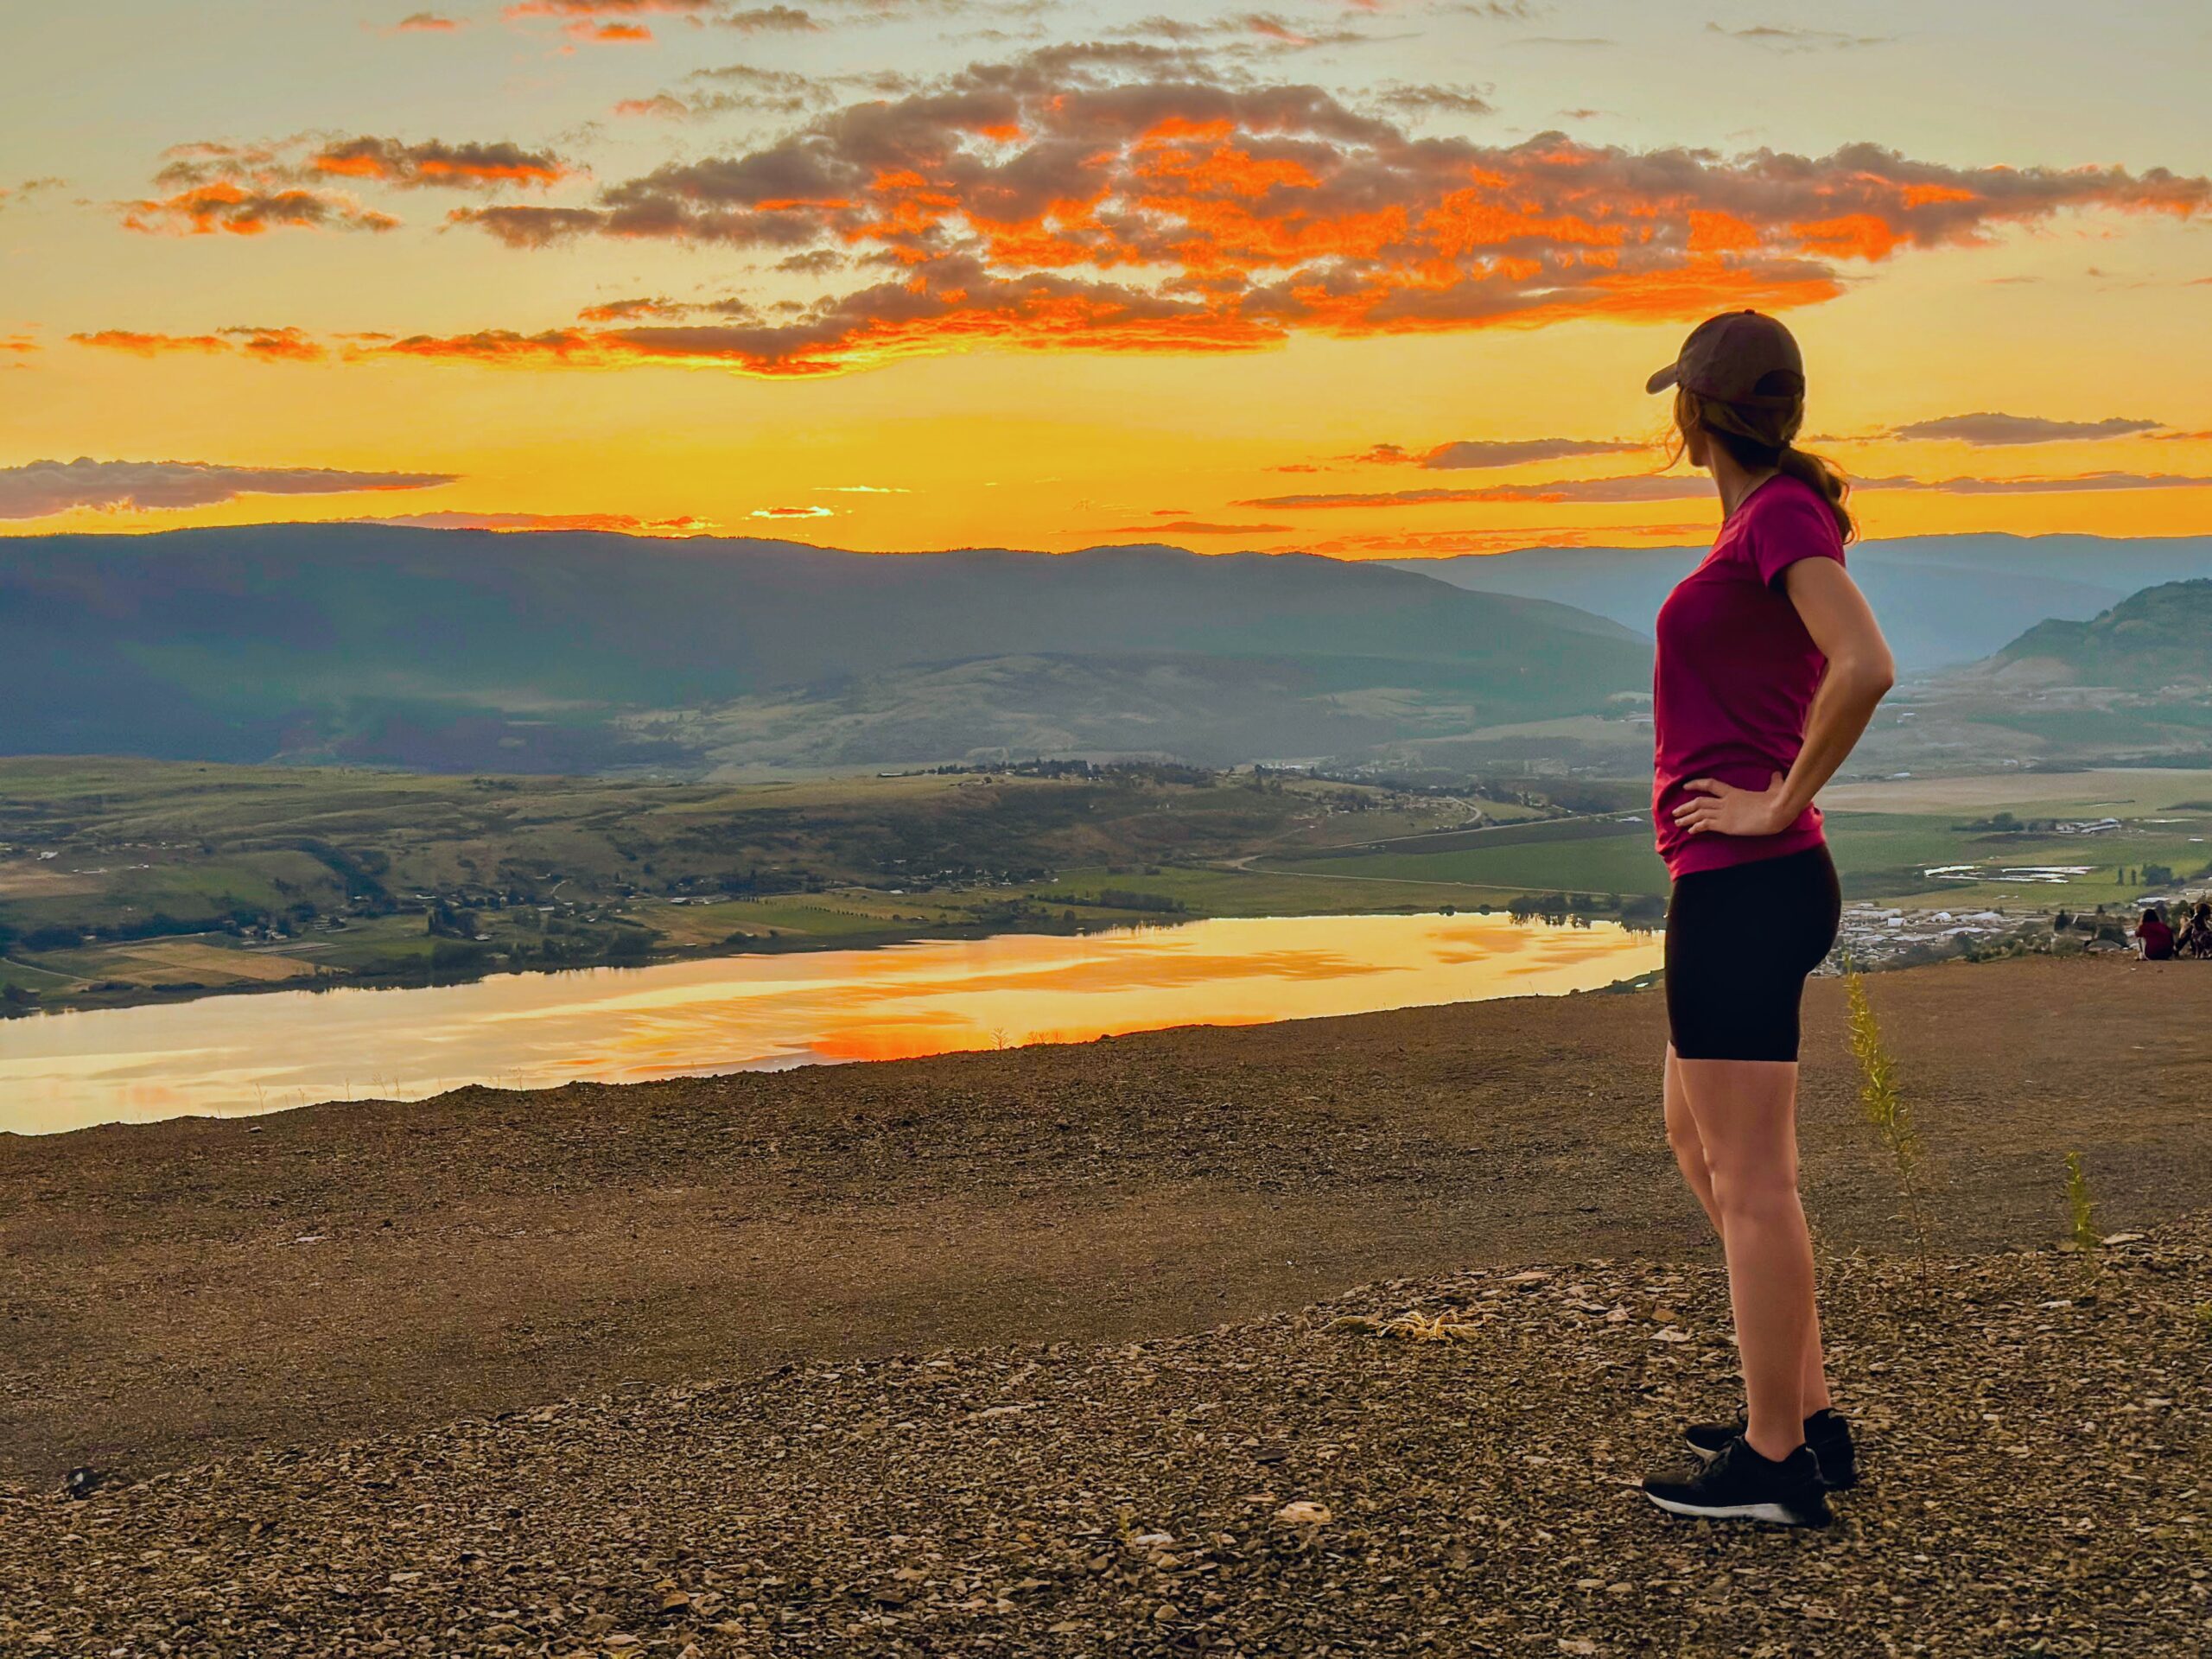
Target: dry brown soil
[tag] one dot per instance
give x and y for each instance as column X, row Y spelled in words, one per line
column 176, row 1292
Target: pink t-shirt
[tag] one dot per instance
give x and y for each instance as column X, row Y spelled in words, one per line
column 1735, row 671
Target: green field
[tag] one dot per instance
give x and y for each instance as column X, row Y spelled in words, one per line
column 1324, row 891
column 1883, row 856
column 125, row 879
column 1573, row 861
column 120, row 879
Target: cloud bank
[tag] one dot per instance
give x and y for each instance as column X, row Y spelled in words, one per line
column 1117, row 196
column 42, row 487
column 1986, row 429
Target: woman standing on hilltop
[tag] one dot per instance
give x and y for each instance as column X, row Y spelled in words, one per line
column 1769, row 666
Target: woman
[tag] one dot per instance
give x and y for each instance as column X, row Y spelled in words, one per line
column 1769, row 666
column 2154, row 936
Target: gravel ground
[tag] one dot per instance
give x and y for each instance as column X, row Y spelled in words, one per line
column 2039, row 1481
column 171, row 1293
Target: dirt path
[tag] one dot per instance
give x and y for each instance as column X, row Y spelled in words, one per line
column 176, row 1290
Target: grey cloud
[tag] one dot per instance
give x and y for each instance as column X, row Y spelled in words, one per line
column 1475, row 452
column 1988, row 429
column 41, row 487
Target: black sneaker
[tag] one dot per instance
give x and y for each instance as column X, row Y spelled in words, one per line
column 1827, row 1431
column 1740, row 1484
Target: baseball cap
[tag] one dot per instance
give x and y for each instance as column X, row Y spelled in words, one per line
column 1744, row 358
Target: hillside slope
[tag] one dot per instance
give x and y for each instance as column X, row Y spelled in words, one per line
column 1943, row 599
column 2157, row 638
column 463, row 649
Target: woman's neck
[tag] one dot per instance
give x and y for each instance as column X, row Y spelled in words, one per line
column 1734, row 482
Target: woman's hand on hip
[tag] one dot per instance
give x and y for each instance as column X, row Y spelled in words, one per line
column 1724, row 810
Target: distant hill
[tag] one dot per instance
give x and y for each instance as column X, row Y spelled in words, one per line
column 458, row 650
column 2130, row 686
column 1943, row 599
column 2150, row 642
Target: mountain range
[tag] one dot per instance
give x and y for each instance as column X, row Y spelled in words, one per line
column 1943, row 599
column 2158, row 641
column 458, row 650
column 470, row 651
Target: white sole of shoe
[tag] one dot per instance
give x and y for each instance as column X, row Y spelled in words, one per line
column 1773, row 1514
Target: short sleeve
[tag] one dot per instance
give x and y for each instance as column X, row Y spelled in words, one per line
column 1794, row 524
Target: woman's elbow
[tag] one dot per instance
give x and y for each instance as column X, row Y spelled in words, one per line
column 1872, row 676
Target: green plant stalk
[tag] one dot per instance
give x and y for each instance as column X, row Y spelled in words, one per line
column 2080, row 1207
column 1886, row 1106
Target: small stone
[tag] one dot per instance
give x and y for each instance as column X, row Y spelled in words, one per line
column 1299, row 1513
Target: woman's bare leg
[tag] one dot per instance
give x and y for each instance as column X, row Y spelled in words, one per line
column 1682, row 1136
column 1689, row 1152
column 1813, row 1385
column 1745, row 1115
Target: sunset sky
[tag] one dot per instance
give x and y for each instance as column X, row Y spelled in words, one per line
column 1372, row 279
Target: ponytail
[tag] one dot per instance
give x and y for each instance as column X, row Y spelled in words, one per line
column 1748, row 437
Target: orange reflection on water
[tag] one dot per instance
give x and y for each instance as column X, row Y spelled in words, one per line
column 241, row 1054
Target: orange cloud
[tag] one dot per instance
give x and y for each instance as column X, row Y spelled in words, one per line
column 138, row 345
column 1198, row 527
column 424, row 22
column 621, row 524
column 1416, row 544
column 1110, row 197
column 1084, row 197
column 599, row 8
column 387, row 160
column 247, row 210
column 278, row 345
column 1686, row 486
column 1631, row 487
column 1472, row 453
column 270, row 344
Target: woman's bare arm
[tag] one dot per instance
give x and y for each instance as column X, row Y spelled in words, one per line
column 1860, row 673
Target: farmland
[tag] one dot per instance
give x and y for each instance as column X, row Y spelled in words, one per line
column 122, row 880
column 2120, row 828
column 125, row 880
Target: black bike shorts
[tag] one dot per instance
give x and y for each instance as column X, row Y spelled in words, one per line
column 1740, row 941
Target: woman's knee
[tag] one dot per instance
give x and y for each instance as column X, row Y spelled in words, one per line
column 1765, row 1189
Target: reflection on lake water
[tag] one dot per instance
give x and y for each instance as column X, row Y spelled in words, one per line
column 235, row 1055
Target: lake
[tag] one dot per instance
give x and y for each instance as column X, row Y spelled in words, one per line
column 236, row 1055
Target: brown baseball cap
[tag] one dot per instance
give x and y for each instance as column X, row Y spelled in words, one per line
column 1743, row 358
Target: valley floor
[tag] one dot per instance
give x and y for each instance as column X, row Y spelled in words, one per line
column 314, row 1352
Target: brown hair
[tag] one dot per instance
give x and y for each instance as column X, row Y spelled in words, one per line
column 1747, row 434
